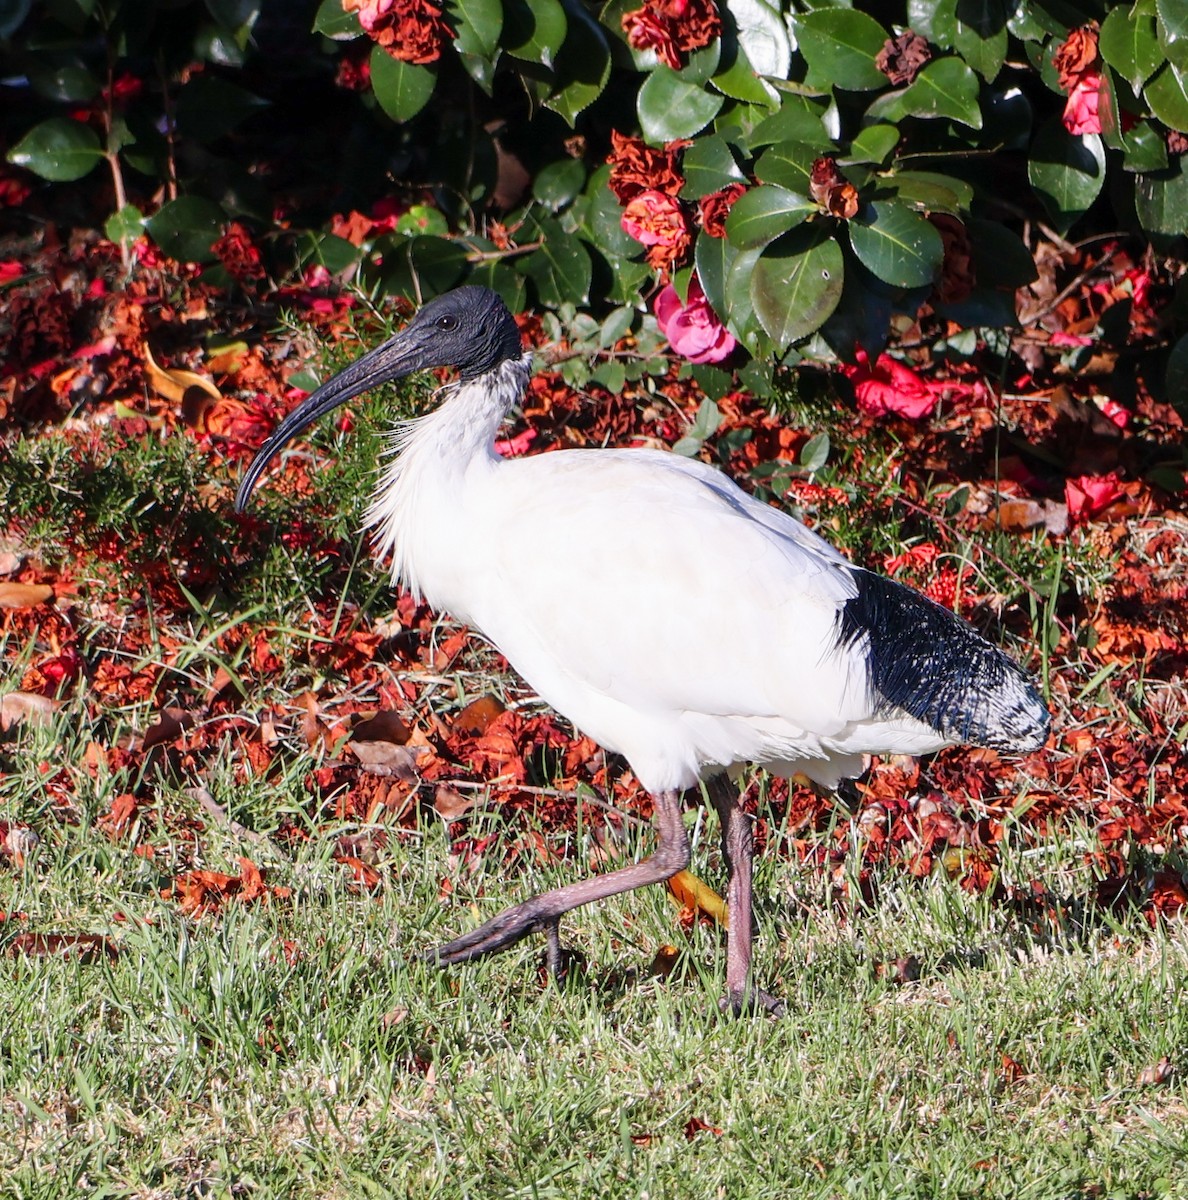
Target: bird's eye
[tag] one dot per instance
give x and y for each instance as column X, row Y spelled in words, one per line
column 449, row 321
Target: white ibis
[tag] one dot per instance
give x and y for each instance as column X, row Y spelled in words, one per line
column 666, row 613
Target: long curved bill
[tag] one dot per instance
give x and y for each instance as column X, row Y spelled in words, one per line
column 397, row 357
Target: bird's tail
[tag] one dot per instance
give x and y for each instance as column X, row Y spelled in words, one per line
column 929, row 662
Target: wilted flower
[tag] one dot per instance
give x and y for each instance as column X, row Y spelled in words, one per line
column 673, row 28
column 715, row 208
column 831, row 189
column 693, row 329
column 410, row 30
column 1076, row 65
column 1075, row 55
column 239, row 254
column 902, row 57
column 957, row 272
column 636, row 167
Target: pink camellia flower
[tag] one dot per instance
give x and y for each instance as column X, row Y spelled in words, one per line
column 889, row 387
column 1080, row 112
column 693, row 329
column 1091, row 494
column 655, row 219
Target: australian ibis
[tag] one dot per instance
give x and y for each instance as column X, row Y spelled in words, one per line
column 673, row 618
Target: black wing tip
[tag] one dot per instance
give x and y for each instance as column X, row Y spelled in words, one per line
column 924, row 659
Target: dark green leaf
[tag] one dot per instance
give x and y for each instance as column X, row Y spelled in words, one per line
column 934, row 20
column 980, row 36
column 874, row 144
column 930, row 191
column 765, row 213
column 68, row 81
column 796, row 284
column 1173, row 30
column 1130, row 45
column 798, row 120
column 326, row 249
column 186, row 229
column 401, row 88
column 59, row 150
column 1176, row 377
column 789, row 164
column 125, row 225
column 422, row 220
column 1144, row 148
column 332, row 22
column 814, row 454
column 561, row 268
column 583, row 67
column 713, row 258
column 534, row 30
column 208, row 107
column 509, row 285
column 559, row 182
column 739, row 80
column 602, row 222
column 708, row 166
column 479, row 24
column 670, row 108
column 896, row 244
column 945, row 88
column 840, row 46
column 1167, row 94
column 1066, row 172
column 1161, row 200
column 220, row 46
column 1000, row 257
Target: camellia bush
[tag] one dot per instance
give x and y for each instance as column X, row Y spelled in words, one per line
column 766, row 181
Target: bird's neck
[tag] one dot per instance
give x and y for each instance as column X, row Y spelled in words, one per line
column 430, row 458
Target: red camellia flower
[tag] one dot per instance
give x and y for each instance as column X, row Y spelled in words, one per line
column 1091, row 494
column 238, row 254
column 693, row 329
column 659, row 222
column 413, row 31
column 715, row 208
column 889, row 388
column 673, row 28
column 13, row 192
column 1081, row 110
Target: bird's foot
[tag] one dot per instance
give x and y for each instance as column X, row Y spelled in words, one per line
column 740, row 1003
column 510, row 926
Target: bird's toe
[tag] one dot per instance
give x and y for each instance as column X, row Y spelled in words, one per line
column 738, row 1003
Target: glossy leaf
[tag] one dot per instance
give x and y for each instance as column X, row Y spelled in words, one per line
column 765, row 213
column 59, row 150
column 1167, row 94
column 209, row 108
column 68, row 81
column 796, row 284
column 583, row 67
column 1173, row 30
column 534, row 30
column 945, row 88
column 763, row 36
column 713, row 258
column 708, row 166
column 1129, row 43
column 670, row 108
column 401, row 88
column 559, row 182
column 1066, row 172
column 478, row 24
column 788, row 164
column 980, row 36
column 332, row 22
column 840, row 46
column 874, row 144
column 561, row 268
column 187, row 228
column 929, row 191
column 125, row 225
column 896, row 245
column 1161, row 201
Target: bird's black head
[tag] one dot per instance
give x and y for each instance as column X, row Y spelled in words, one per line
column 469, row 329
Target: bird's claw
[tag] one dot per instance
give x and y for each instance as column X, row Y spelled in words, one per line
column 498, row 933
column 738, row 1004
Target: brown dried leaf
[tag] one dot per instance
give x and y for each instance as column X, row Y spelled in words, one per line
column 477, row 716
column 1155, row 1075
column 24, row 595
column 692, row 893
column 86, row 946
column 16, row 707
column 172, row 383
column 451, row 804
column 384, row 726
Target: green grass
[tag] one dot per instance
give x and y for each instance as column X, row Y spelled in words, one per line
column 203, row 1062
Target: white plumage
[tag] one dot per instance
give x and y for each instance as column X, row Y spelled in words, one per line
column 670, row 616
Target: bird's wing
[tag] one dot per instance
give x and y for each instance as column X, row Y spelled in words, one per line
column 656, row 581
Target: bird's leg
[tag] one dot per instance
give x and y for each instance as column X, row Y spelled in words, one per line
column 543, row 912
column 738, row 850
